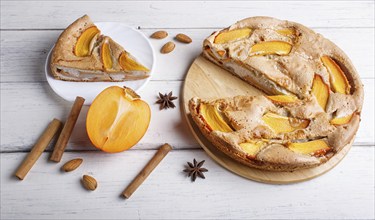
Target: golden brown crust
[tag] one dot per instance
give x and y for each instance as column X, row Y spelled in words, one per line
column 269, row 158
column 65, row 65
column 289, row 74
column 308, row 48
column 63, row 54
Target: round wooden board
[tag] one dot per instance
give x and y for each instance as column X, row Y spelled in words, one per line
column 208, row 81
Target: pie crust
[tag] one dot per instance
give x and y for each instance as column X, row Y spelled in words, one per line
column 280, row 69
column 67, row 65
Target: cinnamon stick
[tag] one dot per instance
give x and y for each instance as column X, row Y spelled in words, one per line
column 38, row 148
column 67, row 130
column 160, row 154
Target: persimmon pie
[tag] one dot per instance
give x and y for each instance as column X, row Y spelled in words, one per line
column 312, row 103
column 82, row 53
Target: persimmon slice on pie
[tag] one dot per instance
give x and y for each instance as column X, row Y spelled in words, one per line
column 82, row 53
column 312, row 103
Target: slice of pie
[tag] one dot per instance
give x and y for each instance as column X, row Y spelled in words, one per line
column 313, row 103
column 272, row 132
column 82, row 54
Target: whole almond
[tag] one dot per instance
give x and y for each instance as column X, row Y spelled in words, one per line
column 72, row 165
column 159, row 35
column 168, row 47
column 183, row 38
column 89, row 182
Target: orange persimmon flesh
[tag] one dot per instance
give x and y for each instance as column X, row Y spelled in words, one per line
column 281, row 124
column 342, row 120
column 316, row 147
column 128, row 64
column 232, row 35
column 283, row 98
column 252, row 147
column 286, row 32
column 270, row 47
column 117, row 119
column 321, row 91
column 213, row 118
column 338, row 80
column 106, row 56
column 82, row 47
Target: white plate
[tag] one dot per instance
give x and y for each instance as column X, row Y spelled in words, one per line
column 132, row 40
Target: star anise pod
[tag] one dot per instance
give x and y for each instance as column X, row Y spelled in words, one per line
column 166, row 101
column 195, row 169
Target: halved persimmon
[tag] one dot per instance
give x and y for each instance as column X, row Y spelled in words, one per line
column 117, row 119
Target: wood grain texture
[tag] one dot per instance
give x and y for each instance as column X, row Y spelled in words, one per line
column 184, row 14
column 346, row 192
column 39, row 104
column 23, row 55
column 30, row 28
column 208, row 81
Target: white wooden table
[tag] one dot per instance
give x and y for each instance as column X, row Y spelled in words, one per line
column 30, row 28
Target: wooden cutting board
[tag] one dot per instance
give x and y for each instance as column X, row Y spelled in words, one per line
column 208, row 81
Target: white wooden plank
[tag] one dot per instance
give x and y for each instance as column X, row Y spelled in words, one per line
column 58, row 14
column 23, row 54
column 26, row 108
column 28, row 104
column 346, row 192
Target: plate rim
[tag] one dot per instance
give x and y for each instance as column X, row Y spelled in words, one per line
column 49, row 77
